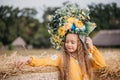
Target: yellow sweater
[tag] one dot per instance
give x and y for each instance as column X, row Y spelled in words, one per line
column 75, row 71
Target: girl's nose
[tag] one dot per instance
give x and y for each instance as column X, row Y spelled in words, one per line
column 69, row 44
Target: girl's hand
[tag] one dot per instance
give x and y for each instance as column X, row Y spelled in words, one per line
column 20, row 63
column 89, row 42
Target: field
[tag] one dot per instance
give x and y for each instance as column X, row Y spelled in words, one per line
column 9, row 72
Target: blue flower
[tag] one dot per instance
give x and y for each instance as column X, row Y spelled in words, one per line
column 73, row 27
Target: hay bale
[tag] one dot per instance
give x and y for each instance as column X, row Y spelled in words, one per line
column 36, row 76
column 112, row 70
column 9, row 72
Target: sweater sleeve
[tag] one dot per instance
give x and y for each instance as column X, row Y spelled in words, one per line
column 97, row 60
column 52, row 60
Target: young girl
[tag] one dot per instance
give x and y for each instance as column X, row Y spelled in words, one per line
column 69, row 31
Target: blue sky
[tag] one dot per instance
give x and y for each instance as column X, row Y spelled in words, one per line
column 40, row 5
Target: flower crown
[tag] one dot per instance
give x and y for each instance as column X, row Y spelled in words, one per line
column 70, row 18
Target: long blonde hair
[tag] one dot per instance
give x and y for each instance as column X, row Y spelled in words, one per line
column 83, row 59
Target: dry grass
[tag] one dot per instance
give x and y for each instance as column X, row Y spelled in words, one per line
column 112, row 70
column 9, row 72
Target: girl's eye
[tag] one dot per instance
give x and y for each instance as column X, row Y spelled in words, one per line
column 66, row 42
column 73, row 42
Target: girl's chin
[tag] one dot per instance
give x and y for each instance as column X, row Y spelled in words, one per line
column 71, row 51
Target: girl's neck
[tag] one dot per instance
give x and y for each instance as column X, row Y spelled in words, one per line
column 74, row 55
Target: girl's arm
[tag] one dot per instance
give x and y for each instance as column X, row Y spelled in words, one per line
column 52, row 60
column 97, row 60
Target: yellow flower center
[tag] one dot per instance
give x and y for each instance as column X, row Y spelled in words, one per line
column 61, row 31
column 71, row 20
column 78, row 24
column 56, row 38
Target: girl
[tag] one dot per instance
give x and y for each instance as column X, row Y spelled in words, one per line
column 78, row 59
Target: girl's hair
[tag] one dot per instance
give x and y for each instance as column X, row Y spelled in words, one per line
column 83, row 60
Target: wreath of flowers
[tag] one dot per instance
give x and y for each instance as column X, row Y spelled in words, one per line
column 69, row 18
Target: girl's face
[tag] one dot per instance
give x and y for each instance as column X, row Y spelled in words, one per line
column 71, row 42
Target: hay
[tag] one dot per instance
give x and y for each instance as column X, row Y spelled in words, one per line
column 9, row 72
column 112, row 70
column 36, row 76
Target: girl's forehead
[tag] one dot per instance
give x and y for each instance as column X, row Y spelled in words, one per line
column 71, row 36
